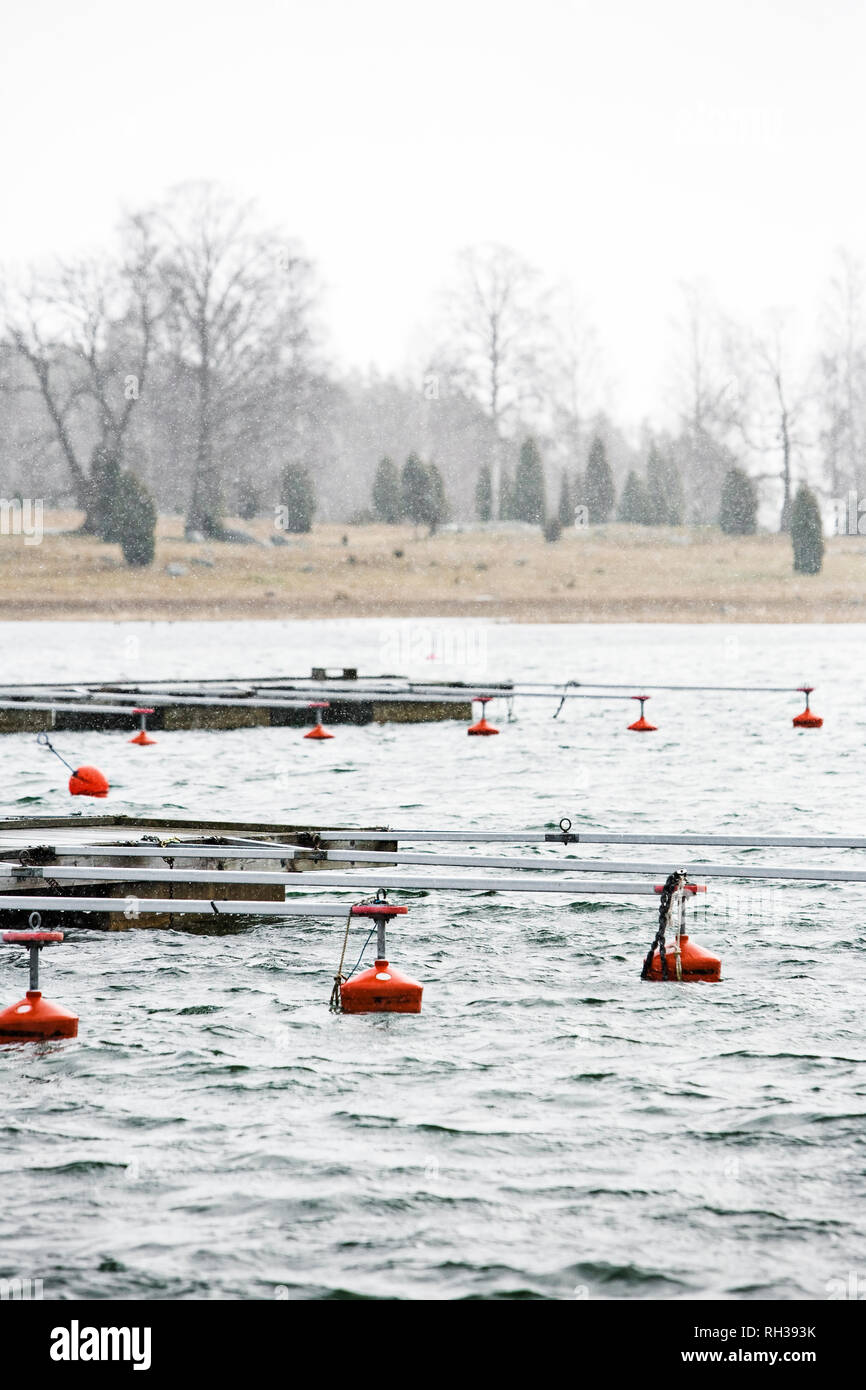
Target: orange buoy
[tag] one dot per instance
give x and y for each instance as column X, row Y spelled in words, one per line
column 88, row 781
column 641, row 725
column 85, row 781
column 482, row 727
column 807, row 720
column 142, row 737
column 695, row 964
column 318, row 730
column 381, row 990
column 33, row 1016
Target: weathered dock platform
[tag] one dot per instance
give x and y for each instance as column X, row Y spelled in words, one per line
column 31, row 846
column 233, row 704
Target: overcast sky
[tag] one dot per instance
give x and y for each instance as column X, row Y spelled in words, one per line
column 624, row 145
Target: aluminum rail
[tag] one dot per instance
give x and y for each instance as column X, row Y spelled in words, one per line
column 322, row 878
column 219, row 907
column 556, row 687
column 166, row 851
column 598, row 866
column 821, row 874
column 447, row 696
column 552, row 837
column 378, row 683
column 468, row 692
column 62, row 705
column 259, row 849
column 158, row 701
column 828, row 874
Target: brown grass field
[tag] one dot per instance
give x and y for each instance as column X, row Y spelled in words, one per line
column 605, row 574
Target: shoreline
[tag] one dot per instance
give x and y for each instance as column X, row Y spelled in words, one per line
column 606, row 574
column 575, row 612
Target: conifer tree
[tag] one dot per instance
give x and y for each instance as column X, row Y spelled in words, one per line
column 738, row 512
column 599, row 489
column 484, row 494
column 665, row 500
column 529, row 499
column 633, row 504
column 298, row 498
column 565, row 508
column 807, row 533
column 386, row 492
column 134, row 521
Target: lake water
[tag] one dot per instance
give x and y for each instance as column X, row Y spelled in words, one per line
column 549, row 1126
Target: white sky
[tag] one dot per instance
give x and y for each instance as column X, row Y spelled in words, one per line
column 624, row 144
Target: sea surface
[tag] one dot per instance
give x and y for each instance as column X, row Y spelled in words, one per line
column 549, row 1127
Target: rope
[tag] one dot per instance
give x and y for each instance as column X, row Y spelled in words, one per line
column 361, row 956
column 45, row 741
column 335, row 1004
column 339, row 979
column 558, row 710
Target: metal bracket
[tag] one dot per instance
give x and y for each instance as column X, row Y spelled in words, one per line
column 564, row 837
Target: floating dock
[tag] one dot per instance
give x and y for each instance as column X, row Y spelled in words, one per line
column 232, row 704
column 35, row 851
column 297, row 701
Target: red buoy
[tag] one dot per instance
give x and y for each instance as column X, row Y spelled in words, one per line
column 318, row 730
column 381, row 990
column 33, row 1016
column 88, row 781
column 482, row 727
column 807, row 720
column 695, row 964
column 641, row 725
column 142, row 737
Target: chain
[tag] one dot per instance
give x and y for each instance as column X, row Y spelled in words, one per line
column 672, row 883
column 562, row 701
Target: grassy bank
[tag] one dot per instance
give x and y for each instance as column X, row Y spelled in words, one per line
column 614, row 573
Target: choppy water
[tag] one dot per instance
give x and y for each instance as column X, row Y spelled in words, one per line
column 549, row 1126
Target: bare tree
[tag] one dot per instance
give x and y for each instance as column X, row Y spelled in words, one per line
column 708, row 400
column 497, row 324
column 842, row 364
column 770, row 406
column 574, row 376
column 85, row 330
column 239, row 316
column 787, row 402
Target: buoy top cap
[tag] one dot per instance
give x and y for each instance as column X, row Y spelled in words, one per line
column 806, row 689
column 142, row 709
column 28, row 938
column 378, row 910
column 319, row 704
column 640, row 697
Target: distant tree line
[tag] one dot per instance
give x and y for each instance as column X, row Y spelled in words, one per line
column 183, row 367
column 414, row 493
column 587, row 495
